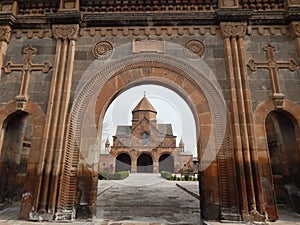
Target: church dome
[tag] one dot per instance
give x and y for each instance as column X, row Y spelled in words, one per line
column 144, row 105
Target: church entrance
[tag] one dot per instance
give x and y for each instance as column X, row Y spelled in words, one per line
column 166, row 163
column 145, row 164
column 284, row 157
column 14, row 156
column 123, row 162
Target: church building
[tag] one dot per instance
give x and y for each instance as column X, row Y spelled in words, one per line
column 234, row 62
column 146, row 146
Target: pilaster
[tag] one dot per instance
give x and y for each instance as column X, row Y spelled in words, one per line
column 5, row 34
column 242, row 119
column 57, row 113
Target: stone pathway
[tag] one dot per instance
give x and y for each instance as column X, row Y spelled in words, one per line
column 147, row 199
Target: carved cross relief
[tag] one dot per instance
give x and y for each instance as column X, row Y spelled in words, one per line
column 273, row 66
column 26, row 68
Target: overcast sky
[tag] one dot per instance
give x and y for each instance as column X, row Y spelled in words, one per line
column 170, row 107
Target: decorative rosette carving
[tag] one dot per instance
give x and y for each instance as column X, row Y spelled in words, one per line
column 102, row 50
column 194, row 48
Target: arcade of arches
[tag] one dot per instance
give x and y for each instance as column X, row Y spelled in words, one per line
column 233, row 62
column 144, row 163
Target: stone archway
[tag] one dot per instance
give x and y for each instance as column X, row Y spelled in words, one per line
column 292, row 111
column 166, row 163
column 145, row 164
column 30, row 189
column 197, row 89
column 284, row 159
column 14, row 155
column 123, row 163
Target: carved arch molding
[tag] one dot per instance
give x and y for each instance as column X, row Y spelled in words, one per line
column 93, row 86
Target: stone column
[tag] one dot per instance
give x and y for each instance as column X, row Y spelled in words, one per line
column 295, row 33
column 5, row 34
column 134, row 156
column 241, row 116
column 155, row 166
column 57, row 111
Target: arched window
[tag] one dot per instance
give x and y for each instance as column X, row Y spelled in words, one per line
column 145, row 138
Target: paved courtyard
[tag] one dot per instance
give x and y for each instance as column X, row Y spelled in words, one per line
column 145, row 199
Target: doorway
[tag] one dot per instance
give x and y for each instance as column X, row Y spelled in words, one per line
column 284, row 157
column 123, row 163
column 145, row 164
column 17, row 133
column 166, row 163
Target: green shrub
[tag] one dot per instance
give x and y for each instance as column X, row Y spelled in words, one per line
column 186, row 177
column 103, row 175
column 166, row 174
column 119, row 175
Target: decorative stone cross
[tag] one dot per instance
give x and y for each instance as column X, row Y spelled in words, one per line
column 272, row 65
column 27, row 67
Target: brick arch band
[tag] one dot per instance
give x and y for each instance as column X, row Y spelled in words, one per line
column 95, row 84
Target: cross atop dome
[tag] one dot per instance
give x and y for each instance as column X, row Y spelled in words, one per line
column 144, row 105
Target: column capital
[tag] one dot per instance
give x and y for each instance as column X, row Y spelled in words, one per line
column 66, row 32
column 233, row 29
column 295, row 29
column 5, row 33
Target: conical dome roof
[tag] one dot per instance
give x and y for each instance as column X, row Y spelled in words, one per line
column 144, row 105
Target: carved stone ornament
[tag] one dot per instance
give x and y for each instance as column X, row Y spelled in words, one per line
column 229, row 3
column 69, row 4
column 66, row 32
column 102, row 50
column 229, row 29
column 148, row 45
column 194, row 48
column 295, row 29
column 5, row 32
column 293, row 3
column 278, row 99
column 21, row 101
